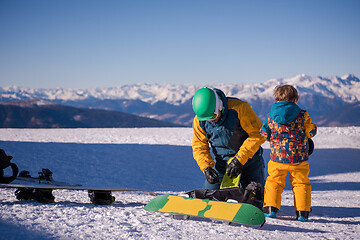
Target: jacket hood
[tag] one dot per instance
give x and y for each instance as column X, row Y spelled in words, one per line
column 225, row 107
column 284, row 112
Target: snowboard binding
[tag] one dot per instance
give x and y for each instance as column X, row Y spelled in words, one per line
column 101, row 197
column 46, row 174
column 40, row 195
column 251, row 195
column 25, row 174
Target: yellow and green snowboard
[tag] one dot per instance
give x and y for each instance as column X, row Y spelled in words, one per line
column 228, row 211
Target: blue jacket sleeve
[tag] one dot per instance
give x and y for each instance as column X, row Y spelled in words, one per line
column 265, row 130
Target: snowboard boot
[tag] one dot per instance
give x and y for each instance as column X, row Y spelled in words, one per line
column 101, row 197
column 302, row 216
column 270, row 211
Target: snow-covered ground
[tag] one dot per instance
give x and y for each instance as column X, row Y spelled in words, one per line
column 160, row 159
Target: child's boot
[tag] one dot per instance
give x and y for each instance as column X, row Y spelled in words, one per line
column 302, row 216
column 270, row 211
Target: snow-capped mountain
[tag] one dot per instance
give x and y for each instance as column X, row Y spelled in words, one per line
column 347, row 88
column 319, row 95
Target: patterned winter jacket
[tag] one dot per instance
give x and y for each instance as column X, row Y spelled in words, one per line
column 288, row 128
column 237, row 133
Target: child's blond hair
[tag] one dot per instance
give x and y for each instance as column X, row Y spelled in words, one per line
column 286, row 93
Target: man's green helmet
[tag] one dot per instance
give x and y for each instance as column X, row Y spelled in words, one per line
column 204, row 103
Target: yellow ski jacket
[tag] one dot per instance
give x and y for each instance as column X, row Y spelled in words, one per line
column 237, row 133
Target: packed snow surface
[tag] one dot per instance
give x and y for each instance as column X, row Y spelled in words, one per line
column 160, row 160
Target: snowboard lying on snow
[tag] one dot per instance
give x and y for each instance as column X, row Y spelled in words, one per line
column 40, row 189
column 73, row 187
column 242, row 213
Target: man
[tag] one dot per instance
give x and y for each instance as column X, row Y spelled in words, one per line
column 232, row 129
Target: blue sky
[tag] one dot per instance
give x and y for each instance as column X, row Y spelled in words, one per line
column 87, row 44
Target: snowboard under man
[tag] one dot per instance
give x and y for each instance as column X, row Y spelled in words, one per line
column 232, row 129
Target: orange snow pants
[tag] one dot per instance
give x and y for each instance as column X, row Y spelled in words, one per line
column 300, row 182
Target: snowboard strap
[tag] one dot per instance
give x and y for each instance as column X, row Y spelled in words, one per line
column 251, row 194
column 218, row 194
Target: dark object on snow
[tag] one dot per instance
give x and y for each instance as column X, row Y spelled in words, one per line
column 101, row 197
column 40, row 195
column 251, row 194
column 311, row 146
column 5, row 163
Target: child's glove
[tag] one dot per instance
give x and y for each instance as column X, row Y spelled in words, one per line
column 211, row 175
column 234, row 168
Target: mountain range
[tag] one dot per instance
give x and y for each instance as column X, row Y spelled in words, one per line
column 330, row 101
column 43, row 114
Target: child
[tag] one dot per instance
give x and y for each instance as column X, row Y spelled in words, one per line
column 288, row 128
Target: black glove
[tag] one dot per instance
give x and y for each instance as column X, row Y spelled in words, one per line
column 211, row 175
column 234, row 168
